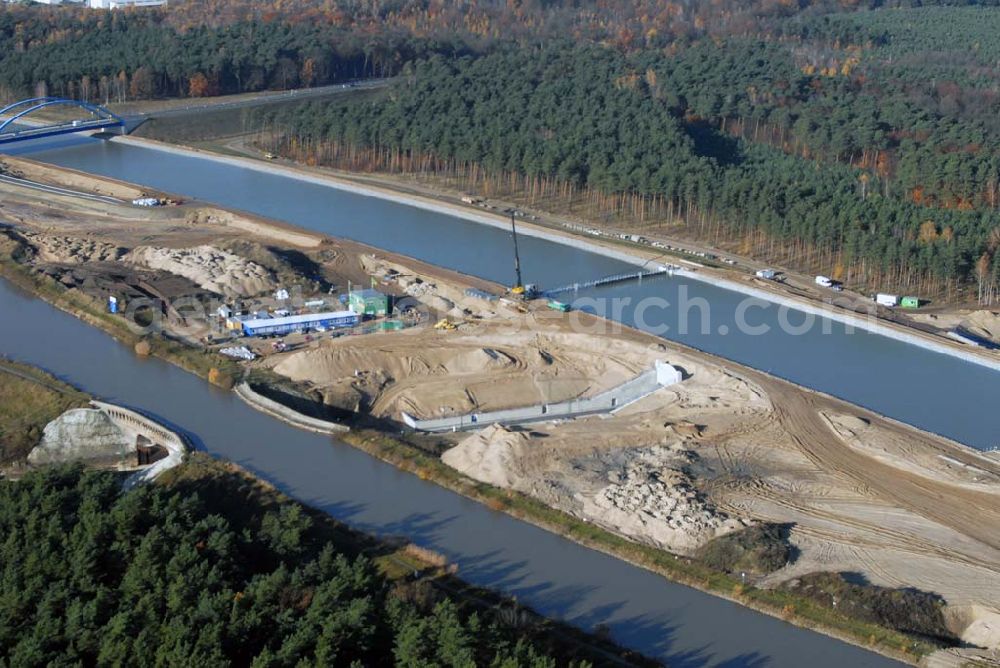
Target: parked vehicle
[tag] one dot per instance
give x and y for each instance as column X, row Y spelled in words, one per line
column 883, row 299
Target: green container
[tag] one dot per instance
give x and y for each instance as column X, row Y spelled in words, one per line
column 910, row 302
column 558, row 306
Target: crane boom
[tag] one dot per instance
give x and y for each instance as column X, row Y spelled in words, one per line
column 519, row 285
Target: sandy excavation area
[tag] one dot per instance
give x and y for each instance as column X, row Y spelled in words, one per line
column 485, row 369
column 627, row 471
column 981, row 322
column 189, row 251
column 70, row 178
column 212, row 268
column 724, row 448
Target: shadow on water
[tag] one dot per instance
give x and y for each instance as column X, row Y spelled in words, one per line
column 495, row 572
column 422, row 528
column 660, row 637
column 748, row 660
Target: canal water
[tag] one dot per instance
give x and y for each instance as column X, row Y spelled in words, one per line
column 684, row 627
column 929, row 390
column 687, row 628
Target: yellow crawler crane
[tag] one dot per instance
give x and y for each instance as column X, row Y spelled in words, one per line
column 518, row 289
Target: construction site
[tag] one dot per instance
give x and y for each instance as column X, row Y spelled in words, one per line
column 692, row 449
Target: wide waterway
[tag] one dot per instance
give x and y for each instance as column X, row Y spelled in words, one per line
column 678, row 624
column 930, row 390
column 684, row 627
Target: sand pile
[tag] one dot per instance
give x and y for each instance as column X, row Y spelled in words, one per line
column 983, row 323
column 73, row 249
column 489, row 456
column 651, row 498
column 440, row 296
column 429, row 373
column 209, row 267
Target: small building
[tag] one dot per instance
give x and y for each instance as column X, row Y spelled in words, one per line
column 299, row 323
column 368, row 302
column 234, row 322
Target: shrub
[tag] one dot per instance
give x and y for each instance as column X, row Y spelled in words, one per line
column 908, row 610
column 756, row 550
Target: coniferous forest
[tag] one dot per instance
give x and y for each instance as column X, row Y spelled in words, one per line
column 855, row 139
column 203, row 572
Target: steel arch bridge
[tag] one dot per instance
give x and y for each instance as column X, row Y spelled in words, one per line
column 99, row 119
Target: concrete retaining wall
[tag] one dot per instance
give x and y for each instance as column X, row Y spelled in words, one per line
column 661, row 375
column 286, row 414
column 133, row 423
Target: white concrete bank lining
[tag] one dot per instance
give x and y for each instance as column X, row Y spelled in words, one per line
column 610, row 401
column 493, row 220
column 414, row 201
column 286, row 414
column 133, row 423
column 872, row 325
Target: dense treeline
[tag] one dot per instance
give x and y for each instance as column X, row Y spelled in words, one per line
column 869, row 139
column 155, row 577
column 112, row 58
column 202, row 47
column 600, row 121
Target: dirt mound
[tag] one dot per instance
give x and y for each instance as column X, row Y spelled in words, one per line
column 489, row 456
column 483, row 359
column 73, row 250
column 898, row 451
column 209, row 267
column 983, row 323
column 429, row 373
column 652, row 498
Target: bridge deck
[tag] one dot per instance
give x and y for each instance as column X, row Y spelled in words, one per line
column 61, row 129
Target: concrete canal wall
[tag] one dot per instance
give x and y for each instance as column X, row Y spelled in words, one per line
column 661, row 375
column 286, row 414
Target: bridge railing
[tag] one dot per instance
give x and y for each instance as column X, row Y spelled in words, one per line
column 9, row 115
